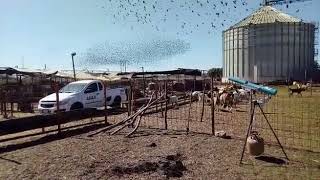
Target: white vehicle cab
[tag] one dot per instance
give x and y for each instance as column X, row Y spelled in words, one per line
column 81, row 95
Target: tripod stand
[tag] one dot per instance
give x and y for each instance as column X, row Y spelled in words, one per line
column 254, row 104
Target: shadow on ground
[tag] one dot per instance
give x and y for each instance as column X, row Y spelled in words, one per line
column 52, row 137
column 270, row 159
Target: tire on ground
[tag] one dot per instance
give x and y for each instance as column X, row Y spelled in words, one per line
column 117, row 101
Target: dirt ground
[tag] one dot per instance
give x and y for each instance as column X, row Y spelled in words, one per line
column 150, row 154
column 159, row 154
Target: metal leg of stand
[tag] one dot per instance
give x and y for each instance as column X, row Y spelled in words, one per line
column 265, row 117
column 248, row 131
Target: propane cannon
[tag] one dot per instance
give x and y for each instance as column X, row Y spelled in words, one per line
column 263, row 89
column 253, row 142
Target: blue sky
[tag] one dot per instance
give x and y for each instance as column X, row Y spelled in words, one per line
column 38, row 32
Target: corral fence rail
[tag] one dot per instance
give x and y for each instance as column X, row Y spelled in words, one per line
column 295, row 119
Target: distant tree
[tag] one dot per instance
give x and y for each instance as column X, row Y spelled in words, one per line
column 315, row 73
column 215, row 72
column 315, row 65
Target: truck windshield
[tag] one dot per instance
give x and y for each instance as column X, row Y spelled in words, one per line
column 72, row 88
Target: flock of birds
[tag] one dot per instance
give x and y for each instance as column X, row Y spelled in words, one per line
column 187, row 17
column 135, row 52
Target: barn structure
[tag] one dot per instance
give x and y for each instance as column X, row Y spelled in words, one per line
column 269, row 45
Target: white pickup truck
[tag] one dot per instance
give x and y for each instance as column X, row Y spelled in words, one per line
column 81, row 95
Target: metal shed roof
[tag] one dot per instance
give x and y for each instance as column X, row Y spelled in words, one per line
column 264, row 15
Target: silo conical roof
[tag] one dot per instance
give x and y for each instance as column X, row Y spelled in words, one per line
column 266, row 14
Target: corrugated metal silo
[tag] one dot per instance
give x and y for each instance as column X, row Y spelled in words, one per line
column 267, row 46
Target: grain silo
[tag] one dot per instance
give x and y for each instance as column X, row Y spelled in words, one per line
column 269, row 45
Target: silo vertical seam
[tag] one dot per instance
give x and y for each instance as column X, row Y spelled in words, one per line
column 288, row 57
column 304, row 49
column 226, row 53
column 249, row 50
column 312, row 42
column 281, row 63
column 254, row 51
column 275, row 49
column 233, row 61
column 229, row 52
column 308, row 45
column 243, row 50
column 294, row 48
column 223, row 58
column 238, row 60
column 299, row 47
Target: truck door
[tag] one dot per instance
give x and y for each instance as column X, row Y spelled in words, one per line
column 100, row 95
column 110, row 96
column 90, row 95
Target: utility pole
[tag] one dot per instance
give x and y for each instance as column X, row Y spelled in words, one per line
column 74, row 71
column 22, row 62
column 144, row 82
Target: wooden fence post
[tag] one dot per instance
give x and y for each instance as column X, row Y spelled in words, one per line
column 105, row 104
column 11, row 108
column 156, row 92
column 212, row 107
column 1, row 101
column 5, row 105
column 189, row 114
column 7, row 79
column 311, row 88
column 194, row 82
column 166, row 105
column 130, row 98
column 58, row 107
column 161, row 106
column 203, row 97
column 184, row 89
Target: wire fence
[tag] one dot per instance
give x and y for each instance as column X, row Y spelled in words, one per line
column 295, row 119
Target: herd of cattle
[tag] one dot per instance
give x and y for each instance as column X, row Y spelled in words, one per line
column 224, row 97
column 298, row 88
column 227, row 97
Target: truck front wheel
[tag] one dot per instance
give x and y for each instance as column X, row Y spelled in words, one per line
column 76, row 106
